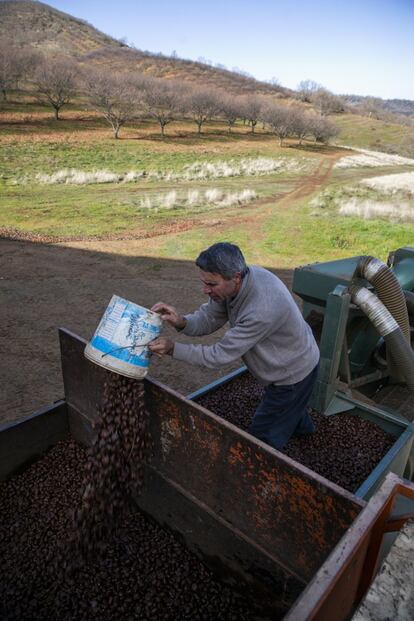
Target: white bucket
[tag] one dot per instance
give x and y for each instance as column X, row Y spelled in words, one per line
column 120, row 343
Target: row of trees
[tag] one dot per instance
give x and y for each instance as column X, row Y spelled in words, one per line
column 126, row 97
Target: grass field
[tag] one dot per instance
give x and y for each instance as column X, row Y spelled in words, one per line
column 278, row 225
column 369, row 133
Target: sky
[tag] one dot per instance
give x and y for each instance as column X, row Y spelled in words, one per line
column 362, row 47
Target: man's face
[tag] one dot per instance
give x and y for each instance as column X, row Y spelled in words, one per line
column 217, row 287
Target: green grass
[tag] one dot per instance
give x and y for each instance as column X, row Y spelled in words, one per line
column 291, row 238
column 102, row 209
column 276, row 232
column 347, row 236
column 374, row 134
column 20, row 159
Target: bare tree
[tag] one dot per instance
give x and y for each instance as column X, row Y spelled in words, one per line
column 301, row 123
column 55, row 82
column 306, row 89
column 113, row 96
column 15, row 64
column 7, row 77
column 201, row 104
column 280, row 119
column 373, row 107
column 322, row 130
column 27, row 60
column 252, row 107
column 161, row 100
column 327, row 103
column 230, row 109
column 274, row 81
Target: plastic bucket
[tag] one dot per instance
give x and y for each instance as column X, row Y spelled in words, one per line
column 120, row 341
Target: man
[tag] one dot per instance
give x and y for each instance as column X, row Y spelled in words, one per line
column 267, row 331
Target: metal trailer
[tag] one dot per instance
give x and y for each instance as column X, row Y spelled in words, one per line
column 261, row 521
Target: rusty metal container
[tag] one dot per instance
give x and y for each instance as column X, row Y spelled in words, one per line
column 259, row 520
column 262, row 522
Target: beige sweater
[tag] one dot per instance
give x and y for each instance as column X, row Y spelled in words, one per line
column 267, row 331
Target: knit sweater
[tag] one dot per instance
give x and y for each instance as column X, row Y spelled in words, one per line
column 267, row 331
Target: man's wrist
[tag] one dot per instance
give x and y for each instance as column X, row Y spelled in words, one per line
column 181, row 325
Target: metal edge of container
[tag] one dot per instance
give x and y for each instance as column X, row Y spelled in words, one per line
column 24, row 440
column 390, row 459
column 341, row 581
column 46, row 409
column 218, row 382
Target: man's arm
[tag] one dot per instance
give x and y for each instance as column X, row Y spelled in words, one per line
column 207, row 319
column 234, row 344
column 210, row 317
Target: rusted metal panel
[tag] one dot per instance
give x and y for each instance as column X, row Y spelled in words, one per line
column 289, row 510
column 333, row 601
column 341, row 582
column 26, row 440
column 234, row 558
column 82, row 382
column 293, row 514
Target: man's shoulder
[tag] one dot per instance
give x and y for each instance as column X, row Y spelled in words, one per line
column 267, row 291
column 261, row 275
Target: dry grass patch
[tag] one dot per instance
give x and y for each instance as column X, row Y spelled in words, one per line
column 369, row 209
column 365, row 158
column 391, row 184
column 201, row 171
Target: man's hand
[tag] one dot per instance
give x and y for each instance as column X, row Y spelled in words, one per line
column 161, row 346
column 170, row 314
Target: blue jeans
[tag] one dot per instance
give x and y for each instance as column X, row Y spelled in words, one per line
column 283, row 412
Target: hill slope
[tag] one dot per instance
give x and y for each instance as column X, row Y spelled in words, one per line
column 50, row 31
column 396, row 106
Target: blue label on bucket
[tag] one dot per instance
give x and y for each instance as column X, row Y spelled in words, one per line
column 107, row 347
column 125, row 331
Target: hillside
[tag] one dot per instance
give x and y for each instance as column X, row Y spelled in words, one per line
column 396, row 106
column 50, row 31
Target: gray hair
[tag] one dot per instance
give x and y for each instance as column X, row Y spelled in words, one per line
column 222, row 258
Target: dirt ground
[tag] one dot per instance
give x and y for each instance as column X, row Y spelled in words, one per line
column 44, row 286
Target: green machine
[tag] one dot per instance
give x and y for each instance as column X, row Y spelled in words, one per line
column 365, row 311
